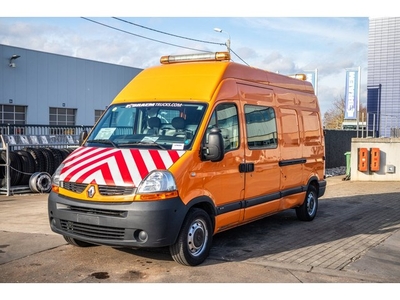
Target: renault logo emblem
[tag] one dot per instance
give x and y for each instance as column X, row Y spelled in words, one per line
column 91, row 191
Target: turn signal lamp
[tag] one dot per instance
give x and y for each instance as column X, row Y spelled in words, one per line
column 217, row 56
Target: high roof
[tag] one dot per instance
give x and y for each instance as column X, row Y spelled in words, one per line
column 199, row 80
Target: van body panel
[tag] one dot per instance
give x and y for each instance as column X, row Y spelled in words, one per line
column 229, row 219
column 182, row 82
column 199, row 81
column 144, row 169
column 292, row 200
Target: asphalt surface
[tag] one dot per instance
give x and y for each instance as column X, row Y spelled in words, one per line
column 355, row 238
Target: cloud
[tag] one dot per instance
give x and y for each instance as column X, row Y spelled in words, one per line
column 276, row 62
column 284, row 45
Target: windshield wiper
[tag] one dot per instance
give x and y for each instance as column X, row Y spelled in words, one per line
column 142, row 143
column 103, row 141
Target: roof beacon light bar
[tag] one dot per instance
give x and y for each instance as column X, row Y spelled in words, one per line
column 299, row 76
column 217, row 56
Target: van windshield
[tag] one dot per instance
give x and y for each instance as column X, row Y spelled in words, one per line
column 150, row 125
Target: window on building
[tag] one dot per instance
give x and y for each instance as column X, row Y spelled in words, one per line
column 97, row 114
column 13, row 114
column 60, row 116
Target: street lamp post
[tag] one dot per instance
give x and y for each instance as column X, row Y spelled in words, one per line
column 228, row 42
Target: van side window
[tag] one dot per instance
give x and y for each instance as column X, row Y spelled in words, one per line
column 312, row 133
column 225, row 117
column 260, row 127
column 290, row 127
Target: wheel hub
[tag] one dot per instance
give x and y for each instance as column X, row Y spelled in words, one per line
column 310, row 204
column 197, row 236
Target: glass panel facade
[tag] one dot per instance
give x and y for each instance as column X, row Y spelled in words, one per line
column 384, row 72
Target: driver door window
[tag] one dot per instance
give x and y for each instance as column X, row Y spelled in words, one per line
column 225, row 117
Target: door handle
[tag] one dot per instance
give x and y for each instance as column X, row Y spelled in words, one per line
column 246, row 167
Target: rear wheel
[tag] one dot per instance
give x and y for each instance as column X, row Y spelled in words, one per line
column 194, row 240
column 76, row 242
column 308, row 210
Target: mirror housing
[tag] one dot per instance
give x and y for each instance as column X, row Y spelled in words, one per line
column 214, row 149
column 82, row 137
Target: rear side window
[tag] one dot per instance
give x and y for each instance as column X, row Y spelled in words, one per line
column 290, row 128
column 312, row 128
column 260, row 127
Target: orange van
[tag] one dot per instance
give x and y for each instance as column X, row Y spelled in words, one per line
column 188, row 149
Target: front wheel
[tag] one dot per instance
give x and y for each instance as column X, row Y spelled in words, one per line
column 308, row 210
column 194, row 241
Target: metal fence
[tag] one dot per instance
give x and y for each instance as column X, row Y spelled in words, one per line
column 383, row 125
column 38, row 130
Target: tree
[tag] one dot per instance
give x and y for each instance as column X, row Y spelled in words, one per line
column 362, row 115
column 334, row 117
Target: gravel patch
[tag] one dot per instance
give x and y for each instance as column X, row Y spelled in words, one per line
column 335, row 171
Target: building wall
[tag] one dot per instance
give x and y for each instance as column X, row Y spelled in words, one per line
column 384, row 72
column 41, row 80
column 388, row 163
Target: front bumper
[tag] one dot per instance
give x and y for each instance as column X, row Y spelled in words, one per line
column 134, row 224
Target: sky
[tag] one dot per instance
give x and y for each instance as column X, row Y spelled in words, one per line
column 289, row 37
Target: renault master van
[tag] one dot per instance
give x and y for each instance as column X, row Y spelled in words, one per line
column 188, row 149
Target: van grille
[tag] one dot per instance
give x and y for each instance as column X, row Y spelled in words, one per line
column 74, row 187
column 96, row 211
column 109, row 190
column 93, row 231
column 105, row 190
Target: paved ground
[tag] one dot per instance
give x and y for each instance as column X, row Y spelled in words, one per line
column 355, row 238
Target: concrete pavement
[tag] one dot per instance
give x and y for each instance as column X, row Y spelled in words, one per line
column 355, row 238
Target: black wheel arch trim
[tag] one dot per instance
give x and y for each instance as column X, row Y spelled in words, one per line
column 320, row 185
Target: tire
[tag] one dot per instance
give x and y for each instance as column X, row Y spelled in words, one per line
column 308, row 210
column 194, row 241
column 49, row 160
column 38, row 158
column 57, row 157
column 28, row 166
column 65, row 152
column 77, row 243
column 15, row 164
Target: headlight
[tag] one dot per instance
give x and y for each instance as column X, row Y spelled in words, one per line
column 157, row 181
column 55, row 179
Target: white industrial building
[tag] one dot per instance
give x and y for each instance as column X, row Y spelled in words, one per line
column 50, row 89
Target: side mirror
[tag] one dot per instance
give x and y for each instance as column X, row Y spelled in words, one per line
column 214, row 149
column 82, row 137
